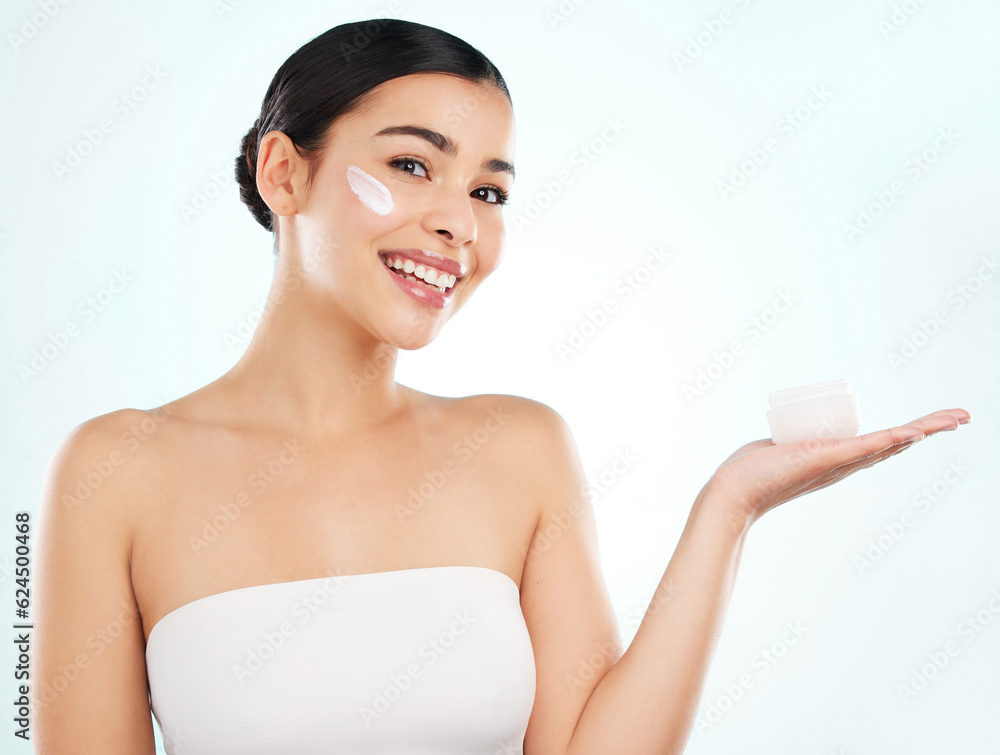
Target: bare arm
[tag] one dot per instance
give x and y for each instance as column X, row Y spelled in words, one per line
column 647, row 702
column 565, row 602
column 89, row 694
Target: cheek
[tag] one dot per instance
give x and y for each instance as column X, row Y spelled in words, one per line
column 365, row 208
column 491, row 247
column 371, row 192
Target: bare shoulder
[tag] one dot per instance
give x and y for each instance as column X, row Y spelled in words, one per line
column 515, row 443
column 84, row 603
column 99, row 460
column 532, row 446
column 117, row 425
column 530, row 425
column 109, row 440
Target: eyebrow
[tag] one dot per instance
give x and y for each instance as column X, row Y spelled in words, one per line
column 446, row 145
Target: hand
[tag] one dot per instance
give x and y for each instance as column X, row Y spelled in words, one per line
column 761, row 475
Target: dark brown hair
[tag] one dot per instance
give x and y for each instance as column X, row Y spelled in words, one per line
column 331, row 75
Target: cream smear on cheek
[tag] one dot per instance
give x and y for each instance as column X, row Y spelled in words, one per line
column 372, row 193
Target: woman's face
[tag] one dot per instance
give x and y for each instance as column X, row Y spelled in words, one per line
column 442, row 147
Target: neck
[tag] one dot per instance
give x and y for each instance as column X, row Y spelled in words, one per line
column 311, row 370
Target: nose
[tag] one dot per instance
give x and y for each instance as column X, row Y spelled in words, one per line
column 450, row 215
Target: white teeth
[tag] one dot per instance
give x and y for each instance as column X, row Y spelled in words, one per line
column 435, row 278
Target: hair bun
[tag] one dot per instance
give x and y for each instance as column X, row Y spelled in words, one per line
column 332, row 74
column 246, row 177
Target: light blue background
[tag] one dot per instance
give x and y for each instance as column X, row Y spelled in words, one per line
column 685, row 127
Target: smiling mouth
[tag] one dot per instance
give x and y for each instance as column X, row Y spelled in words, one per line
column 435, row 280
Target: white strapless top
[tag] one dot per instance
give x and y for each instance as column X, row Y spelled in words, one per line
column 434, row 660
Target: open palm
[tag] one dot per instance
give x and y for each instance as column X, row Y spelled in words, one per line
column 761, row 475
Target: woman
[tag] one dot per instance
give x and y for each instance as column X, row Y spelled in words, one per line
column 305, row 556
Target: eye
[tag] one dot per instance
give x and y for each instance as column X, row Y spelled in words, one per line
column 484, row 192
column 409, row 165
column 415, row 167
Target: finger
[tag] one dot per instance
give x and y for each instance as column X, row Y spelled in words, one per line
column 928, row 425
column 946, row 419
column 838, row 473
column 841, row 451
column 954, row 417
column 960, row 414
column 933, row 423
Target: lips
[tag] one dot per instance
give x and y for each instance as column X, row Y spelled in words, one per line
column 427, row 258
column 418, row 289
column 433, row 279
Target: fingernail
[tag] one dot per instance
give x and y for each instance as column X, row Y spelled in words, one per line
column 918, row 436
column 950, row 428
column 965, row 421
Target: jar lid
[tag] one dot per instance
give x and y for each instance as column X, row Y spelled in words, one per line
column 812, row 390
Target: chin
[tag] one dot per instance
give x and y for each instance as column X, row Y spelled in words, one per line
column 413, row 340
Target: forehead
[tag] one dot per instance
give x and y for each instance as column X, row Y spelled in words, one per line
column 471, row 113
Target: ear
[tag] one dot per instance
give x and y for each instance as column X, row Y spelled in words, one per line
column 281, row 174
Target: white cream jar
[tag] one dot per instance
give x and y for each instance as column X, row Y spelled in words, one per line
column 817, row 410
